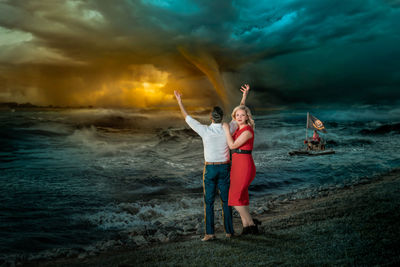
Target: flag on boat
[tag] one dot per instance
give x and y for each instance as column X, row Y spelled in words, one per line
column 315, row 124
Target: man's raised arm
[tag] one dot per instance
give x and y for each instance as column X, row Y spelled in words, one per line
column 179, row 99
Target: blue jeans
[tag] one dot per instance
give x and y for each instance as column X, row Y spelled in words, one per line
column 217, row 176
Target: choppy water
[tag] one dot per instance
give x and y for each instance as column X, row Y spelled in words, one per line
column 69, row 178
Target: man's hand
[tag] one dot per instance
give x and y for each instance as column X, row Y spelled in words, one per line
column 177, row 96
column 179, row 99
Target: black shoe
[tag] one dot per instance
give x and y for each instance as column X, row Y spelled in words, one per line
column 254, row 229
column 257, row 222
column 246, row 230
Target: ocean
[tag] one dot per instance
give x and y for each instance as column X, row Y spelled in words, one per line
column 72, row 177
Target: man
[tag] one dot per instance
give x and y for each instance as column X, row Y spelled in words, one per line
column 217, row 165
column 315, row 139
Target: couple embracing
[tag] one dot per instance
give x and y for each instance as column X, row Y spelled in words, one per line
column 230, row 178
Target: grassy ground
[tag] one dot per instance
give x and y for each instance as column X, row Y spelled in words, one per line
column 357, row 226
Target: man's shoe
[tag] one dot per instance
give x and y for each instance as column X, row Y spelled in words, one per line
column 229, row 235
column 208, row 238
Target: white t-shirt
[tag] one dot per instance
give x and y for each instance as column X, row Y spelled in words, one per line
column 214, row 140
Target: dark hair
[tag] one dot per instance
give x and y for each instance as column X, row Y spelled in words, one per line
column 217, row 114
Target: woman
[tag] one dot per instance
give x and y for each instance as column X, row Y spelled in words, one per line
column 243, row 169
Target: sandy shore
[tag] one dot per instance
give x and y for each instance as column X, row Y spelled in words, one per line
column 354, row 224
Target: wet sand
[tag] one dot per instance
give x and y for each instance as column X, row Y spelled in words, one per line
column 356, row 225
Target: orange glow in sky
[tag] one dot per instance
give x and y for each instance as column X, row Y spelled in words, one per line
column 141, row 86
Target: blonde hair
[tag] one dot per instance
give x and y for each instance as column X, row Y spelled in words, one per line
column 250, row 120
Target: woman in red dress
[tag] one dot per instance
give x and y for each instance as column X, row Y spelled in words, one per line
column 243, row 169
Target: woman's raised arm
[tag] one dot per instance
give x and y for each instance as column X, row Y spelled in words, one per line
column 245, row 90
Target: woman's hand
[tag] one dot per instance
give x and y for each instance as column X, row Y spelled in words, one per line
column 225, row 126
column 245, row 88
column 228, row 135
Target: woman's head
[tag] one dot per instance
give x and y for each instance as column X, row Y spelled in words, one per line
column 242, row 115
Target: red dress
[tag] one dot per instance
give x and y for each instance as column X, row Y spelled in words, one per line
column 243, row 171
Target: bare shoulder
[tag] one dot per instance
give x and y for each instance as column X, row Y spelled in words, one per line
column 247, row 133
column 248, row 128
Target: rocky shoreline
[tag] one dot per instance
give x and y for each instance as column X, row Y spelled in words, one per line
column 270, row 209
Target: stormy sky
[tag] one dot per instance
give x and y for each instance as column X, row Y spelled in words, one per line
column 135, row 53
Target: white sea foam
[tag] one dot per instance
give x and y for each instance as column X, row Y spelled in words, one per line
column 130, row 215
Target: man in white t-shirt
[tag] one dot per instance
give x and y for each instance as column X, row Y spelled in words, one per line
column 216, row 174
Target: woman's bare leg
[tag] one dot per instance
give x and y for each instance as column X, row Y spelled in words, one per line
column 245, row 215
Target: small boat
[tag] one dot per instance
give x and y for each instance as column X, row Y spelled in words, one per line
column 314, row 146
column 304, row 152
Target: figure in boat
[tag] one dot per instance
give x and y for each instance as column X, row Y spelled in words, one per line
column 314, row 145
column 315, row 142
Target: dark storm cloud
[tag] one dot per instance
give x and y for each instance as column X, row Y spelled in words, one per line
column 107, row 52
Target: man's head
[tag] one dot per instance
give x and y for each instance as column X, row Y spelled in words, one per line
column 217, row 114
